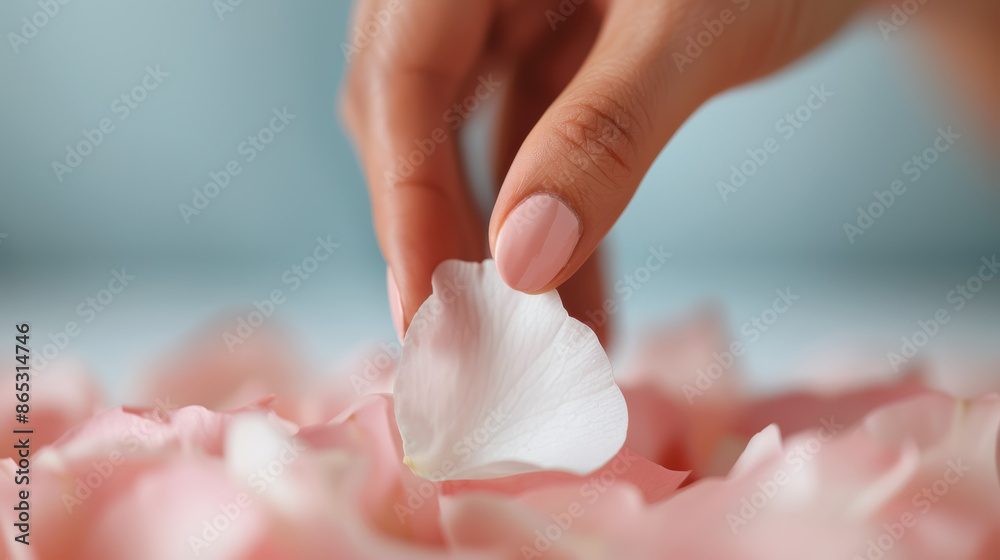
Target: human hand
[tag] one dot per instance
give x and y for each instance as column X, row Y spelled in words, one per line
column 593, row 90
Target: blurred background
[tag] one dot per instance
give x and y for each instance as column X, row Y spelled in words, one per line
column 167, row 94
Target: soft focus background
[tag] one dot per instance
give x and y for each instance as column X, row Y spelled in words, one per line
column 60, row 240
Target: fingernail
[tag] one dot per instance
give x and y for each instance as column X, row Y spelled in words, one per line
column 395, row 304
column 535, row 242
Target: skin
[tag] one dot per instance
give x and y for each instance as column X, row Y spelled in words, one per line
column 587, row 108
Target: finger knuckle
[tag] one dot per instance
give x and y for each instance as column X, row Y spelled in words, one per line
column 598, row 136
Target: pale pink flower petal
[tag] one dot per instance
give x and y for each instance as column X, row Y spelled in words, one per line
column 655, row 482
column 224, row 366
column 61, row 396
column 684, row 391
column 493, row 382
column 795, row 412
column 844, row 492
column 132, row 430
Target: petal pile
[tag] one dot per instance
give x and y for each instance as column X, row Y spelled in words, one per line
column 504, row 439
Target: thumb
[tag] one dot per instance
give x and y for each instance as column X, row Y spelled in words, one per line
column 580, row 165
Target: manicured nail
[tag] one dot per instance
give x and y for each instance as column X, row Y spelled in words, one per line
column 535, row 242
column 395, row 304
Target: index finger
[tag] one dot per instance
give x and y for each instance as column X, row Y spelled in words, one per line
column 399, row 91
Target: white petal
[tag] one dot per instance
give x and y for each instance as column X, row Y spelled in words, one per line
column 763, row 446
column 493, row 382
column 260, row 452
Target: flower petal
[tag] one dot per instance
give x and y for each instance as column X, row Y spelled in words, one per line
column 493, row 382
column 655, row 482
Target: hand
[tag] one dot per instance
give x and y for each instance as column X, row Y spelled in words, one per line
column 593, row 90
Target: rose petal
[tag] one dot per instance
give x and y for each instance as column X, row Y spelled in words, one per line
column 493, row 382
column 655, row 482
column 63, row 396
column 219, row 370
column 762, row 447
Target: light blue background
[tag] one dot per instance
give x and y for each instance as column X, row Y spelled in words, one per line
column 783, row 229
